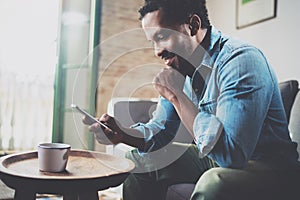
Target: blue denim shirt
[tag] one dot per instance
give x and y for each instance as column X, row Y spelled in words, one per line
column 241, row 114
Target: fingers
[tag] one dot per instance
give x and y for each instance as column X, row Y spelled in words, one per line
column 86, row 120
column 95, row 128
column 163, row 88
column 106, row 135
column 102, row 138
column 101, row 134
column 105, row 118
column 167, row 77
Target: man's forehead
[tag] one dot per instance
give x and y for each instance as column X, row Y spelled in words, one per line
column 152, row 19
column 151, row 23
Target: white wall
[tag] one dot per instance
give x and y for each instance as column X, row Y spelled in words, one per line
column 278, row 38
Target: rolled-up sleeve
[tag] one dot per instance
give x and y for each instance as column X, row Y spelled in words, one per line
column 207, row 130
column 227, row 128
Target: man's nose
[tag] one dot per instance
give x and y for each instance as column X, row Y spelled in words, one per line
column 157, row 50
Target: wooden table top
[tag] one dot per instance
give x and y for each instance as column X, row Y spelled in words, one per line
column 81, row 165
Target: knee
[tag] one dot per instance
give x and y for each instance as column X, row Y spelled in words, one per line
column 129, row 155
column 133, row 155
column 137, row 159
column 210, row 186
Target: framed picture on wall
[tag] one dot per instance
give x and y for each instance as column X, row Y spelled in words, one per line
column 249, row 12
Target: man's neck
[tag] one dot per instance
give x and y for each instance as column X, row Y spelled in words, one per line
column 197, row 56
column 201, row 35
column 205, row 42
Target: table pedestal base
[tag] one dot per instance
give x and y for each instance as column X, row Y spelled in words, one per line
column 24, row 194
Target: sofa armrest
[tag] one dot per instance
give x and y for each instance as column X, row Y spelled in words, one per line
column 288, row 90
column 294, row 125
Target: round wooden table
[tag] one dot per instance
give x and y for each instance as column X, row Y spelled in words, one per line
column 87, row 172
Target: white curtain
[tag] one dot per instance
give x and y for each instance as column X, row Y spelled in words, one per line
column 27, row 64
column 26, row 105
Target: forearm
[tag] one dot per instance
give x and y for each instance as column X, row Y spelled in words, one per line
column 134, row 138
column 186, row 110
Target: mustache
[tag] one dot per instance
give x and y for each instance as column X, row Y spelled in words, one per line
column 167, row 54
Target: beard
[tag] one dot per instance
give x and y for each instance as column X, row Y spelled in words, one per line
column 179, row 63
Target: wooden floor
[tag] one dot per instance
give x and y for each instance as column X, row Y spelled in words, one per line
column 49, row 197
column 6, row 193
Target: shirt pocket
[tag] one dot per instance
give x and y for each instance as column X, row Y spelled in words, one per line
column 209, row 106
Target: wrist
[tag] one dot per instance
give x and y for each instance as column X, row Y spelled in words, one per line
column 115, row 137
column 174, row 100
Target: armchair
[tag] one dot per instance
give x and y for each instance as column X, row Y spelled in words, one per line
column 131, row 111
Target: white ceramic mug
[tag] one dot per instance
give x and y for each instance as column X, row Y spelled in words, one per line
column 53, row 157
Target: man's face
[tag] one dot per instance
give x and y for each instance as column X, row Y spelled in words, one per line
column 172, row 42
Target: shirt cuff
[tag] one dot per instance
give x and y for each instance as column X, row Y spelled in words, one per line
column 207, row 129
column 149, row 144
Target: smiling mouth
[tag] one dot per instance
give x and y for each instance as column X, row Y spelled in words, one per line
column 168, row 57
column 169, row 61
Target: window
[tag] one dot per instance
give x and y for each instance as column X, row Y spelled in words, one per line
column 27, row 65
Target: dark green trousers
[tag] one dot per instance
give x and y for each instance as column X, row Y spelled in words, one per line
column 258, row 181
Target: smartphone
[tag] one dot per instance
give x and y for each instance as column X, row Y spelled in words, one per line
column 93, row 119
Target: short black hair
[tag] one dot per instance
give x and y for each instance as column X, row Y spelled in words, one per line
column 178, row 11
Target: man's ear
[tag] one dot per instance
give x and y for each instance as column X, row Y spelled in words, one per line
column 194, row 24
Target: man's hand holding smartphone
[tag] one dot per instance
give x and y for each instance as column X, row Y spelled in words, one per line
column 105, row 128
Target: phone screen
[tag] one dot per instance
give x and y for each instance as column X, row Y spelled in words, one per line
column 89, row 116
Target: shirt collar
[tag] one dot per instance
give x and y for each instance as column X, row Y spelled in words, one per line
column 211, row 44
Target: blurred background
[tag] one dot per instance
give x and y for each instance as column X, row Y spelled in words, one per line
column 57, row 52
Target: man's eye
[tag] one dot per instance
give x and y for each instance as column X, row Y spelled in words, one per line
column 160, row 36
